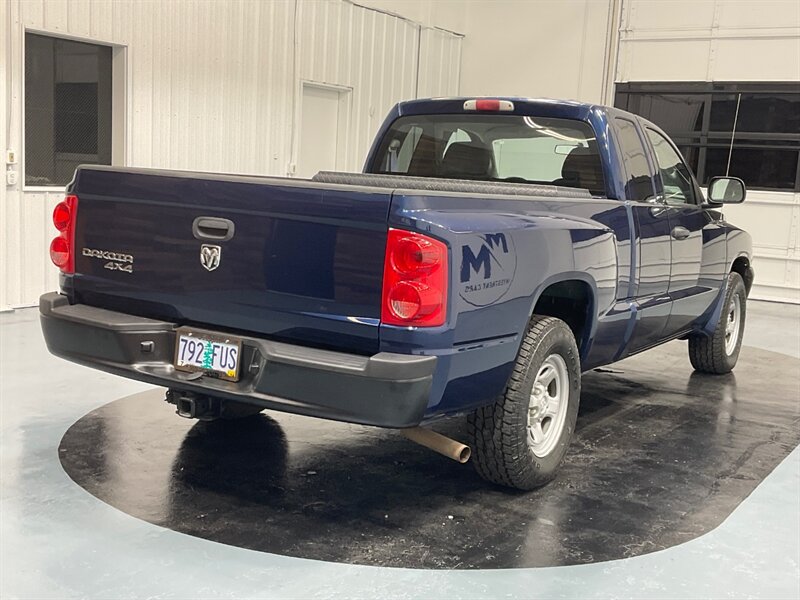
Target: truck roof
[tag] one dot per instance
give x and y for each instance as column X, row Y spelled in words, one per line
column 522, row 106
column 597, row 114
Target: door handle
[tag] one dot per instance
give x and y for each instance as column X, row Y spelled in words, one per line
column 213, row 229
column 680, row 233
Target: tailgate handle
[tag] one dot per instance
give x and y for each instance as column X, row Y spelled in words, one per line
column 213, row 228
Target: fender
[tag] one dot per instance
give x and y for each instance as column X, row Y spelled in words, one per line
column 719, row 303
column 592, row 312
column 749, row 274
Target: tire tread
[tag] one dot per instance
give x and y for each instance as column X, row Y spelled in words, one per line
column 494, row 430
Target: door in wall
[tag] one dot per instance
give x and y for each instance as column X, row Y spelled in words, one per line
column 323, row 129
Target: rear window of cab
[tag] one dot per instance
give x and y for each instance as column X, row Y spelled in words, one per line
column 505, row 148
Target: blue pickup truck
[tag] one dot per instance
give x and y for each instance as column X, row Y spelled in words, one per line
column 492, row 250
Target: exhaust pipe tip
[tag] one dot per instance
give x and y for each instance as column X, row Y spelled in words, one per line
column 439, row 443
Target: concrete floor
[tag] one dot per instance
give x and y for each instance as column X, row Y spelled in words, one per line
column 58, row 541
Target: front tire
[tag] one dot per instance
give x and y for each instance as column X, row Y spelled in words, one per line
column 718, row 353
column 520, row 440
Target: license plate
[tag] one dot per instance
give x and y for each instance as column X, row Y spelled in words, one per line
column 216, row 355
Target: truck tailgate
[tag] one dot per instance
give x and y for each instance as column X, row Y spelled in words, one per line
column 304, row 262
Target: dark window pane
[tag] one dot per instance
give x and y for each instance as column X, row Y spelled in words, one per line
column 723, row 112
column 67, row 108
column 640, row 184
column 672, row 112
column 778, row 113
column 758, row 167
column 759, row 113
column 621, row 100
column 672, row 87
column 76, row 118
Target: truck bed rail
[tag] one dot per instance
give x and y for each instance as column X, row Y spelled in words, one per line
column 435, row 184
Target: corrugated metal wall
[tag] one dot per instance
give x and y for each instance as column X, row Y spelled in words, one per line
column 727, row 40
column 439, row 64
column 214, row 86
column 373, row 53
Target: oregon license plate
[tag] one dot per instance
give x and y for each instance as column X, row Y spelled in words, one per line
column 216, row 355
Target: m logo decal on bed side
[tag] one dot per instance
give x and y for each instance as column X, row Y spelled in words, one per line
column 487, row 268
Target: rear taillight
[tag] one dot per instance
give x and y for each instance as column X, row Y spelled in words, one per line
column 414, row 280
column 62, row 248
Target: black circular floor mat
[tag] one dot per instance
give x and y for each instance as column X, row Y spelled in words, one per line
column 661, row 455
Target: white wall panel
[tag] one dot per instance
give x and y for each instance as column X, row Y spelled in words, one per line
column 773, row 219
column 442, row 14
column 4, row 222
column 761, row 14
column 547, row 48
column 760, row 59
column 26, row 268
column 439, row 63
column 213, row 86
column 684, row 15
column 638, row 64
column 709, row 40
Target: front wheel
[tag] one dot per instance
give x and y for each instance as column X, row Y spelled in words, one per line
column 719, row 352
column 520, row 440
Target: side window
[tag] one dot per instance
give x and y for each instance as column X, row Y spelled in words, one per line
column 639, row 186
column 675, row 176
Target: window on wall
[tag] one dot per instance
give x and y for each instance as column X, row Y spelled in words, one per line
column 68, row 90
column 747, row 130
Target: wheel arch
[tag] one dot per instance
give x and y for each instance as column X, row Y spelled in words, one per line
column 742, row 265
column 571, row 297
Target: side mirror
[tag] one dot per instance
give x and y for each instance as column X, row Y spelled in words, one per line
column 726, row 190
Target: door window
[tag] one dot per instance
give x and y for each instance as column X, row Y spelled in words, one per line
column 676, row 178
column 639, row 186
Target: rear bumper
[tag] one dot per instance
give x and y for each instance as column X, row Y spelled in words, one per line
column 386, row 390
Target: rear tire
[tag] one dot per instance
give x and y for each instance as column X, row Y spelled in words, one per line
column 520, row 440
column 718, row 353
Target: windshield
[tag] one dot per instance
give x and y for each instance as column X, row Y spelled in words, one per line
column 493, row 147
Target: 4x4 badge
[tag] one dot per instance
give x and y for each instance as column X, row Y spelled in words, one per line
column 210, row 256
